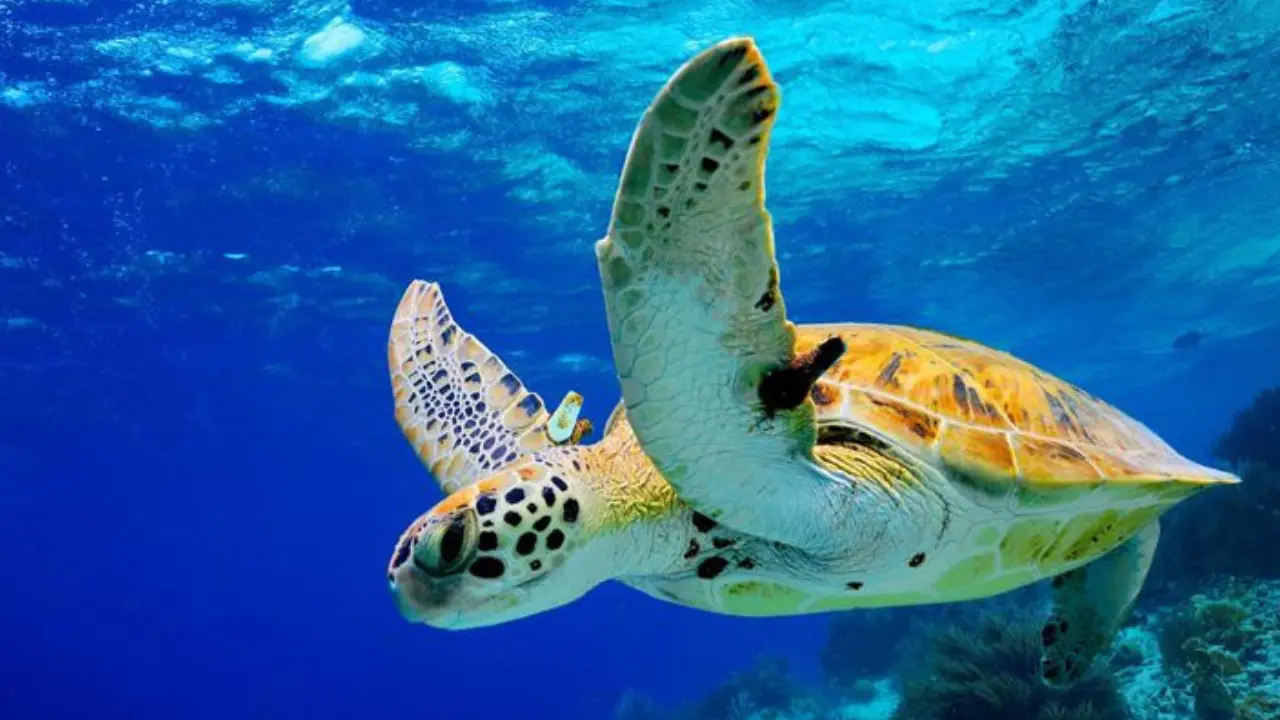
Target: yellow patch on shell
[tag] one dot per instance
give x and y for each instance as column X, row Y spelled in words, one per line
column 891, row 417
column 989, row 535
column 857, row 599
column 1027, row 540
column 966, row 575
column 761, row 599
column 983, row 456
column 1090, row 535
column 1050, row 462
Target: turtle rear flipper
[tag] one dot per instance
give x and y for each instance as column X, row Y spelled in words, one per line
column 1090, row 604
column 463, row 411
column 704, row 351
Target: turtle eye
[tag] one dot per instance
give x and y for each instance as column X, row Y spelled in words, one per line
column 446, row 549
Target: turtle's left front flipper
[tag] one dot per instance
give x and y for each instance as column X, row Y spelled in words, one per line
column 1090, row 605
column 705, row 354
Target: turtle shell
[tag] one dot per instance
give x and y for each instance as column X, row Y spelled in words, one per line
column 990, row 420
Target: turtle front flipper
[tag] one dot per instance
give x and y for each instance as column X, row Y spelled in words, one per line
column 1090, row 605
column 704, row 351
column 463, row 411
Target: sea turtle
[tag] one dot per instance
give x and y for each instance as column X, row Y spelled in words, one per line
column 755, row 467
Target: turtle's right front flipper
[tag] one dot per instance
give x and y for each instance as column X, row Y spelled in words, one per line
column 705, row 354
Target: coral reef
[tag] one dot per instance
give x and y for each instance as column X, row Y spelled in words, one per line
column 848, row 658
column 988, row 669
column 634, row 706
column 1211, row 656
column 1254, row 435
column 1234, row 530
column 765, row 690
column 1223, row 647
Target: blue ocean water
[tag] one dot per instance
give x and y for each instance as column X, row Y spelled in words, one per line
column 208, row 211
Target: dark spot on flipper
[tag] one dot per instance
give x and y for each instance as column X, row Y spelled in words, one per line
column 761, row 115
column 1049, row 635
column 488, row 541
column 488, row 568
column 718, row 137
column 509, row 383
column 526, row 543
column 559, row 481
column 747, row 564
column 512, row 518
column 542, row 523
column 733, row 55
column 702, row 522
column 855, row 585
column 664, row 211
column 749, row 74
column 570, row 510
column 486, row 504
column 709, row 165
column 532, row 508
column 916, row 560
column 531, row 405
column 555, row 539
column 722, row 543
column 770, row 296
column 766, row 301
column 549, row 496
column 515, row 495
column 1050, row 671
column 692, row 551
column 711, row 567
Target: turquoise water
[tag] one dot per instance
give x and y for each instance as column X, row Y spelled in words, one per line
column 209, row 210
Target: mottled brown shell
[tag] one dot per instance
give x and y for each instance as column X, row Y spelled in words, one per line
column 992, row 420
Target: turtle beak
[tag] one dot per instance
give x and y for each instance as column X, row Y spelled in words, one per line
column 423, row 599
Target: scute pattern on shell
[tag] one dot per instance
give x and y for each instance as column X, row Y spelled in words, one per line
column 993, row 419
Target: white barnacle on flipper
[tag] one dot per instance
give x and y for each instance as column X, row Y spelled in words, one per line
column 338, row 40
column 563, row 421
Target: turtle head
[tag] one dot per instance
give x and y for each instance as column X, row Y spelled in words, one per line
column 520, row 542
